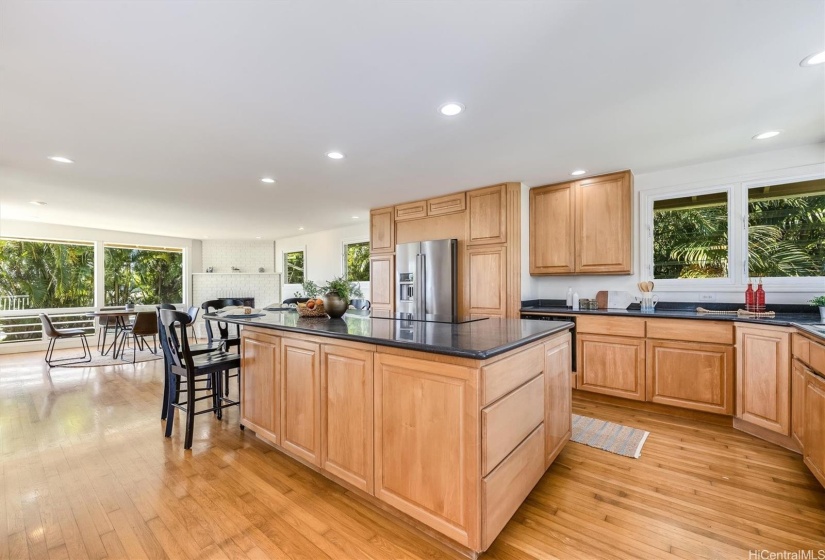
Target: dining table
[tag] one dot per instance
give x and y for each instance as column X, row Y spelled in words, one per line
column 121, row 317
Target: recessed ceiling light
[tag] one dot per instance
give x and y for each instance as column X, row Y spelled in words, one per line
column 301, row 228
column 267, row 180
column 766, row 135
column 355, row 217
column 61, row 159
column 38, row 203
column 578, row 172
column 451, row 109
column 814, row 59
column 335, row 155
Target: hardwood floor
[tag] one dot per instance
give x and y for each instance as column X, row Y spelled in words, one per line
column 87, row 473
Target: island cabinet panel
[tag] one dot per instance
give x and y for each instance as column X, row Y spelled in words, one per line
column 301, row 399
column 411, row 211
column 552, row 230
column 427, row 443
column 763, row 377
column 382, row 285
column 558, row 396
column 382, row 230
column 450, row 204
column 603, row 224
column 487, row 219
column 611, row 365
column 346, row 414
column 486, row 281
column 698, row 376
column 260, row 356
column 799, row 378
column 502, row 376
column 814, row 450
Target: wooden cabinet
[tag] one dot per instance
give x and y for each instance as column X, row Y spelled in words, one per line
column 552, row 231
column 346, row 414
column 582, row 227
column 611, row 365
column 691, row 375
column 301, row 399
column 411, row 211
column 799, row 375
column 260, row 356
column 558, row 396
column 487, row 215
column 450, row 204
column 382, row 230
column 382, row 282
column 485, row 281
column 763, row 377
column 814, row 432
column 427, row 443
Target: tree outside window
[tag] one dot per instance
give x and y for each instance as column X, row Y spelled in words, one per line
column 294, row 267
column 357, row 256
column 144, row 276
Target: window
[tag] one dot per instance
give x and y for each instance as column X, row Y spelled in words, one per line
column 690, row 236
column 142, row 275
column 357, row 261
column 294, row 267
column 786, row 230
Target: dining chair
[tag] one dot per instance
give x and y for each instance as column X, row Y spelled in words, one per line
column 145, row 324
column 107, row 325
column 184, row 367
column 193, row 316
column 56, row 334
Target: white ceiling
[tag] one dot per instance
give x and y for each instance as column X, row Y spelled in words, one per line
column 174, row 110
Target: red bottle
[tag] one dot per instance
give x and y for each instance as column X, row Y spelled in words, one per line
column 760, row 297
column 750, row 297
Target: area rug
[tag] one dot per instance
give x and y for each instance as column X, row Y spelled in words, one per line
column 607, row 436
column 98, row 360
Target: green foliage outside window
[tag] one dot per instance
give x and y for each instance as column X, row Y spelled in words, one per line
column 294, row 267
column 143, row 276
column 358, row 261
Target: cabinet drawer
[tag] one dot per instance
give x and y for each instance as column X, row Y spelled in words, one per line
column 504, row 489
column 411, row 211
column 615, row 326
column 449, row 204
column 500, row 378
column 508, row 421
column 691, row 330
column 817, row 358
column 801, row 348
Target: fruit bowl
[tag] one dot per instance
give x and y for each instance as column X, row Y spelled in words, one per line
column 312, row 308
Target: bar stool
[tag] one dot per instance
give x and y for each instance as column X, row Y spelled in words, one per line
column 229, row 341
column 56, row 334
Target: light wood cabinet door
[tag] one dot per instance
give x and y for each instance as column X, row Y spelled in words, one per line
column 346, row 414
column 301, row 399
column 763, row 377
column 260, row 361
column 486, row 281
column 382, row 282
column 427, row 469
column 487, row 222
column 603, row 224
column 611, row 365
column 552, row 230
column 814, row 451
column 558, row 396
column 698, row 376
column 450, row 204
column 799, row 375
column 411, row 211
column 382, row 230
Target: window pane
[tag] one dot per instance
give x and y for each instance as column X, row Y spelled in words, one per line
column 143, row 276
column 36, row 274
column 690, row 237
column 358, row 261
column 786, row 230
column 294, row 267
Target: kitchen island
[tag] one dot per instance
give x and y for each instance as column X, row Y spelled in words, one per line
column 448, row 426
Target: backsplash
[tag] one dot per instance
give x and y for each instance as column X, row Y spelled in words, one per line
column 249, row 256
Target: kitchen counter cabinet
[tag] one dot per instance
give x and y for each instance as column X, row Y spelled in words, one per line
column 261, row 354
column 814, row 432
column 611, row 365
column 799, row 377
column 301, row 399
column 763, row 377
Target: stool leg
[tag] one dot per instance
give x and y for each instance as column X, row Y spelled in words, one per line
column 170, row 410
column 165, row 404
column 190, row 412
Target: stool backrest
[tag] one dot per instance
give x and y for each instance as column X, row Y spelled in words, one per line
column 173, row 337
column 48, row 326
column 193, row 314
column 223, row 328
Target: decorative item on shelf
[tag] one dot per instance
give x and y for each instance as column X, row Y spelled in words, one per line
column 576, row 301
column 614, row 299
column 339, row 290
column 819, row 301
column 235, row 269
column 312, row 308
column 569, row 298
column 129, row 306
column 210, row 269
column 261, row 270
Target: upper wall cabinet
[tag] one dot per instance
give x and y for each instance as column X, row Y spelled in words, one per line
column 582, row 227
column 450, row 204
column 382, row 230
column 487, row 220
column 411, row 211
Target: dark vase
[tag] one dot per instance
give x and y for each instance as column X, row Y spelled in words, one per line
column 335, row 306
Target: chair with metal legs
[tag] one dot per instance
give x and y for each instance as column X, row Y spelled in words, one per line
column 105, row 326
column 55, row 334
column 146, row 324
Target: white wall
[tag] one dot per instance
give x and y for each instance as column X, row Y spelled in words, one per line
column 799, row 160
column 324, row 256
column 249, row 256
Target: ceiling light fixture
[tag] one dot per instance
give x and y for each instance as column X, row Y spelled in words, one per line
column 335, row 155
column 267, row 180
column 766, row 135
column 578, row 172
column 61, row 159
column 355, row 217
column 301, row 228
column 451, row 109
column 37, row 203
column 814, row 59
column 258, row 237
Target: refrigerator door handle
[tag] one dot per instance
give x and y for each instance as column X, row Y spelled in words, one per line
column 423, row 275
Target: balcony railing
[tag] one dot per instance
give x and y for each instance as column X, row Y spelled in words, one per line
column 25, row 325
column 8, row 303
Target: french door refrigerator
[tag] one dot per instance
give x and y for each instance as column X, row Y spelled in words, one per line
column 426, row 279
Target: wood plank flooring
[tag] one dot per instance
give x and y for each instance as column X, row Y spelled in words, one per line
column 87, row 473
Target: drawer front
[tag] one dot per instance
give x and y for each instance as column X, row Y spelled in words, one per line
column 615, row 326
column 449, row 204
column 504, row 489
column 411, row 211
column 508, row 421
column 801, row 348
column 817, row 358
column 500, row 378
column 691, row 330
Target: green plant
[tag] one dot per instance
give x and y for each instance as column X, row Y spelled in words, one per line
column 818, row 301
column 309, row 289
column 343, row 288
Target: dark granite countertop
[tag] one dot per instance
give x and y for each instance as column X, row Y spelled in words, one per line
column 478, row 340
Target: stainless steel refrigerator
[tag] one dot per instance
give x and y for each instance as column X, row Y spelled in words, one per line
column 427, row 279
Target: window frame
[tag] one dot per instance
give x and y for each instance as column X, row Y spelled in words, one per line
column 141, row 247
column 346, row 243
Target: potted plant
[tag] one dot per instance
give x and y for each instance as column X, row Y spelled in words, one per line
column 820, row 302
column 309, row 289
column 338, row 293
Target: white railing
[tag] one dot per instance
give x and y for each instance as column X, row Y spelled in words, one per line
column 8, row 303
column 25, row 325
